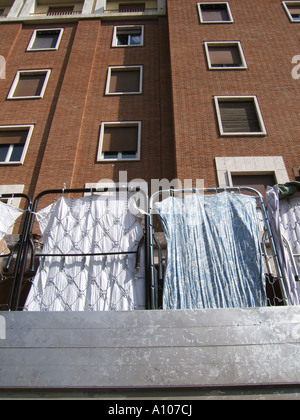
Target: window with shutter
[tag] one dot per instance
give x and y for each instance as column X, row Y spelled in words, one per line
column 259, row 182
column 239, row 116
column 218, row 12
column 119, row 141
column 124, row 80
column 128, row 36
column 29, row 84
column 14, row 143
column 45, row 40
column 292, row 9
column 225, row 55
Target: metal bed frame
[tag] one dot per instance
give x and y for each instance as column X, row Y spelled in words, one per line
column 19, row 250
column 292, row 256
column 29, row 244
column 157, row 273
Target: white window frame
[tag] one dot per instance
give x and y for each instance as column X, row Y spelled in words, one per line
column 263, row 131
column 214, row 3
column 129, row 27
column 100, row 157
column 33, row 38
column 124, row 68
column 26, row 145
column 286, row 8
column 47, row 73
column 237, row 44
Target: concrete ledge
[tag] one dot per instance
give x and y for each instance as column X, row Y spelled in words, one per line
column 151, row 349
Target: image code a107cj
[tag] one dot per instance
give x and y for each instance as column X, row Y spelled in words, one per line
column 144, row 409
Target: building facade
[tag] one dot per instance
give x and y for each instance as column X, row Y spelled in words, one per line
column 82, row 82
column 182, row 92
column 234, row 58
column 66, row 93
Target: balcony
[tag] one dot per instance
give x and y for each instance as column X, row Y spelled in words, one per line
column 74, row 9
column 133, row 7
column 40, row 10
column 5, row 6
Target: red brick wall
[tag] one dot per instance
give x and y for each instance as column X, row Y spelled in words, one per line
column 152, row 108
column 64, row 145
column 269, row 42
column 38, row 112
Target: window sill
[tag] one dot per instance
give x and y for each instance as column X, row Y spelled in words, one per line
column 246, row 134
column 18, row 98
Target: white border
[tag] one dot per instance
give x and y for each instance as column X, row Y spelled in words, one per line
column 12, row 189
column 124, row 68
column 129, row 27
column 263, row 131
column 225, row 44
column 291, row 3
column 214, row 3
column 116, row 124
column 250, row 165
column 26, row 145
column 33, row 38
column 29, row 72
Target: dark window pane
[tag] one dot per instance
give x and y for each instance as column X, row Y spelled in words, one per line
column 45, row 40
column 3, row 152
column 17, row 153
column 123, row 39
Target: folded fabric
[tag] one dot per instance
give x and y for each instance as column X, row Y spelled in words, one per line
column 9, row 215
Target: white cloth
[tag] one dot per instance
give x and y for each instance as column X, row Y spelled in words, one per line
column 8, row 217
column 95, row 224
column 284, row 218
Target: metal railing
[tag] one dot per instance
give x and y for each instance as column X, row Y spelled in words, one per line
column 135, row 10
column 62, row 13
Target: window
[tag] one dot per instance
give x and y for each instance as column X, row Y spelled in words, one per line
column 131, row 7
column 292, row 9
column 259, row 182
column 14, row 141
column 120, row 141
column 225, row 55
column 239, row 115
column 128, row 36
column 29, row 84
column 45, row 40
column 218, row 12
column 124, row 80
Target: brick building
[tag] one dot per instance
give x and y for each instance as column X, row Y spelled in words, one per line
column 71, row 60
column 238, row 52
column 165, row 73
column 158, row 90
